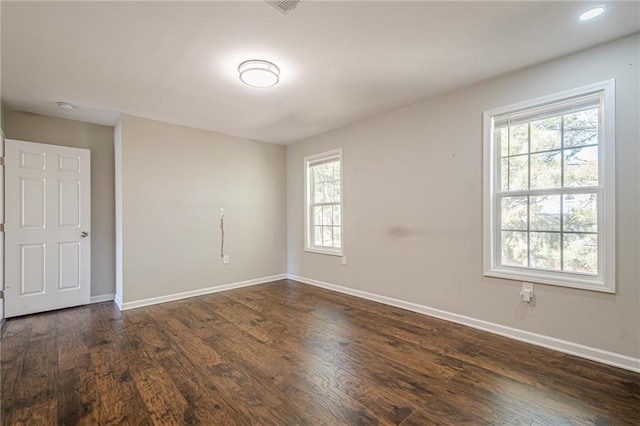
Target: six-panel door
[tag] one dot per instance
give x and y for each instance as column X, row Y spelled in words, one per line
column 47, row 227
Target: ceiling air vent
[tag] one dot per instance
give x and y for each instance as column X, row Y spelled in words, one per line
column 284, row 6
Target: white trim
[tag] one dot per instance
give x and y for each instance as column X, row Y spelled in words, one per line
column 582, row 351
column 543, row 277
column 334, row 153
column 118, row 301
column 102, row 298
column 605, row 281
column 200, row 292
column 554, row 97
column 334, row 252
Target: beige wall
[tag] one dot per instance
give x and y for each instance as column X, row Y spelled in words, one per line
column 174, row 180
column 413, row 206
column 99, row 139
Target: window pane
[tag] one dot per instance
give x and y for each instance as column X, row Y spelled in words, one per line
column 317, row 174
column 580, row 212
column 328, row 192
column 337, row 237
column 519, row 142
column 545, row 170
column 504, row 174
column 337, row 215
column 336, row 171
column 518, row 173
column 317, row 215
column 331, row 171
column 317, row 236
column 545, row 213
column 332, row 192
column 514, row 213
column 546, row 134
column 581, row 128
column 501, row 136
column 545, row 250
column 580, row 253
column 514, row 248
column 327, row 215
column 581, row 167
column 327, row 238
column 318, row 193
column 336, row 192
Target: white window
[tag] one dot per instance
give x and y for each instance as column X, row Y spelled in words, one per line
column 323, row 203
column 549, row 188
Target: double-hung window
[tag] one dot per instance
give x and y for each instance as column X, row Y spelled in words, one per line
column 323, row 203
column 549, row 207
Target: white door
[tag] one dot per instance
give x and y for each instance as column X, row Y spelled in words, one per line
column 47, row 227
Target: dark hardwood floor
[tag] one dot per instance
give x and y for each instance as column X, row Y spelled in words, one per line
column 286, row 353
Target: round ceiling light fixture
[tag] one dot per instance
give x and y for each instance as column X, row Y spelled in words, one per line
column 592, row 13
column 259, row 73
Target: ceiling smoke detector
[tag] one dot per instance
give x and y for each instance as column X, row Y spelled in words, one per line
column 283, row 6
column 66, row 106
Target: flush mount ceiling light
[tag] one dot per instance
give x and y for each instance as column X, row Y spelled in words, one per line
column 259, row 73
column 592, row 13
column 66, row 106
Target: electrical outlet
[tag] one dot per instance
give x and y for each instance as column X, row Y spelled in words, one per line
column 225, row 259
column 343, row 260
column 527, row 292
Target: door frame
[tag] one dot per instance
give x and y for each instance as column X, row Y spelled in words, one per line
column 2, row 320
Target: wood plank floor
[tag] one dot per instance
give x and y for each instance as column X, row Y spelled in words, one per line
column 286, row 353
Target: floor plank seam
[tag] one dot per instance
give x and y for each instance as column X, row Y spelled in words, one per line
column 407, row 418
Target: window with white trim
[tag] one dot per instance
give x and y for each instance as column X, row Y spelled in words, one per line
column 323, row 203
column 549, row 206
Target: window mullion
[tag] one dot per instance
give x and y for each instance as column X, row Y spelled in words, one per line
column 551, row 191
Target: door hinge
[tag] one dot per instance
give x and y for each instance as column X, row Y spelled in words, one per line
column 1, row 227
column 1, row 161
column 1, row 294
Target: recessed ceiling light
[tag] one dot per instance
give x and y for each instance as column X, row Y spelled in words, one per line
column 259, row 73
column 65, row 106
column 592, row 13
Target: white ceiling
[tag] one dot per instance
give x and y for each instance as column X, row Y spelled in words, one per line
column 340, row 62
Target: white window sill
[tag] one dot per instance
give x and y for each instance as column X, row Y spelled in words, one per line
column 550, row 278
column 324, row 251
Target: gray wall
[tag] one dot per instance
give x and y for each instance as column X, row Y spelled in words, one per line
column 413, row 206
column 99, row 139
column 173, row 181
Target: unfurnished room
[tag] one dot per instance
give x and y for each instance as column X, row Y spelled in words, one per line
column 314, row 212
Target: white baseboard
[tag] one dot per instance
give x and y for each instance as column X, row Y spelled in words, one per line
column 193, row 293
column 594, row 354
column 102, row 298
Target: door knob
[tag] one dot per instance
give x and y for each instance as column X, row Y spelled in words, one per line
column 84, row 234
